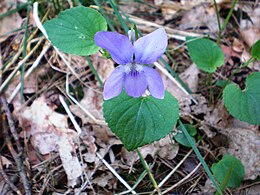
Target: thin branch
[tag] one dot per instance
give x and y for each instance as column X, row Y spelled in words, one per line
column 17, row 158
column 7, row 180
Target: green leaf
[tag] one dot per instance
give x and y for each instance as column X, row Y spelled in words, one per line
column 206, row 54
column 181, row 138
column 229, row 170
column 244, row 105
column 256, row 50
column 74, row 29
column 140, row 121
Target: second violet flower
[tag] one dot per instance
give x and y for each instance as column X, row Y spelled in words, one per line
column 133, row 73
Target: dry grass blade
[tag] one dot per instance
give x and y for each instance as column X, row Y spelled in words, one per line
column 181, row 181
column 175, row 168
column 35, row 64
column 116, row 174
column 10, row 77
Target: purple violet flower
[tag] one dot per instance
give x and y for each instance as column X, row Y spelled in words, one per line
column 133, row 72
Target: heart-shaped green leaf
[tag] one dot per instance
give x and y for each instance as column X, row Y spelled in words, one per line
column 140, row 121
column 206, row 54
column 244, row 105
column 74, row 29
column 229, row 171
column 181, row 138
column 256, row 50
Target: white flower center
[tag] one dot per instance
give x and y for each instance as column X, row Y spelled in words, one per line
column 133, row 67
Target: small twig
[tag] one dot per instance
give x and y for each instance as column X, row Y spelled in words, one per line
column 7, row 180
column 17, row 158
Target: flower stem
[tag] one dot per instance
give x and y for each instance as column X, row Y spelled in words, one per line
column 217, row 13
column 211, row 96
column 226, row 20
column 148, row 171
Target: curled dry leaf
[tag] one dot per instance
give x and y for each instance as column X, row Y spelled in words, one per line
column 245, row 145
column 50, row 133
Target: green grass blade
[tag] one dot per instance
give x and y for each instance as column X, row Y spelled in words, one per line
column 25, row 48
column 10, row 12
column 109, row 23
column 193, row 144
column 121, row 20
column 226, row 20
column 94, row 71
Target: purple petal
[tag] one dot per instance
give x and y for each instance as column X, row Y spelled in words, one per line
column 154, row 81
column 150, row 48
column 135, row 84
column 119, row 46
column 113, row 85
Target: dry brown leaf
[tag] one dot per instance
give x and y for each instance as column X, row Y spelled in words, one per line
column 103, row 66
column 11, row 22
column 245, row 145
column 250, row 29
column 172, row 87
column 89, row 141
column 190, row 77
column 103, row 180
column 92, row 102
column 50, row 133
column 209, row 187
column 165, row 148
column 200, row 16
